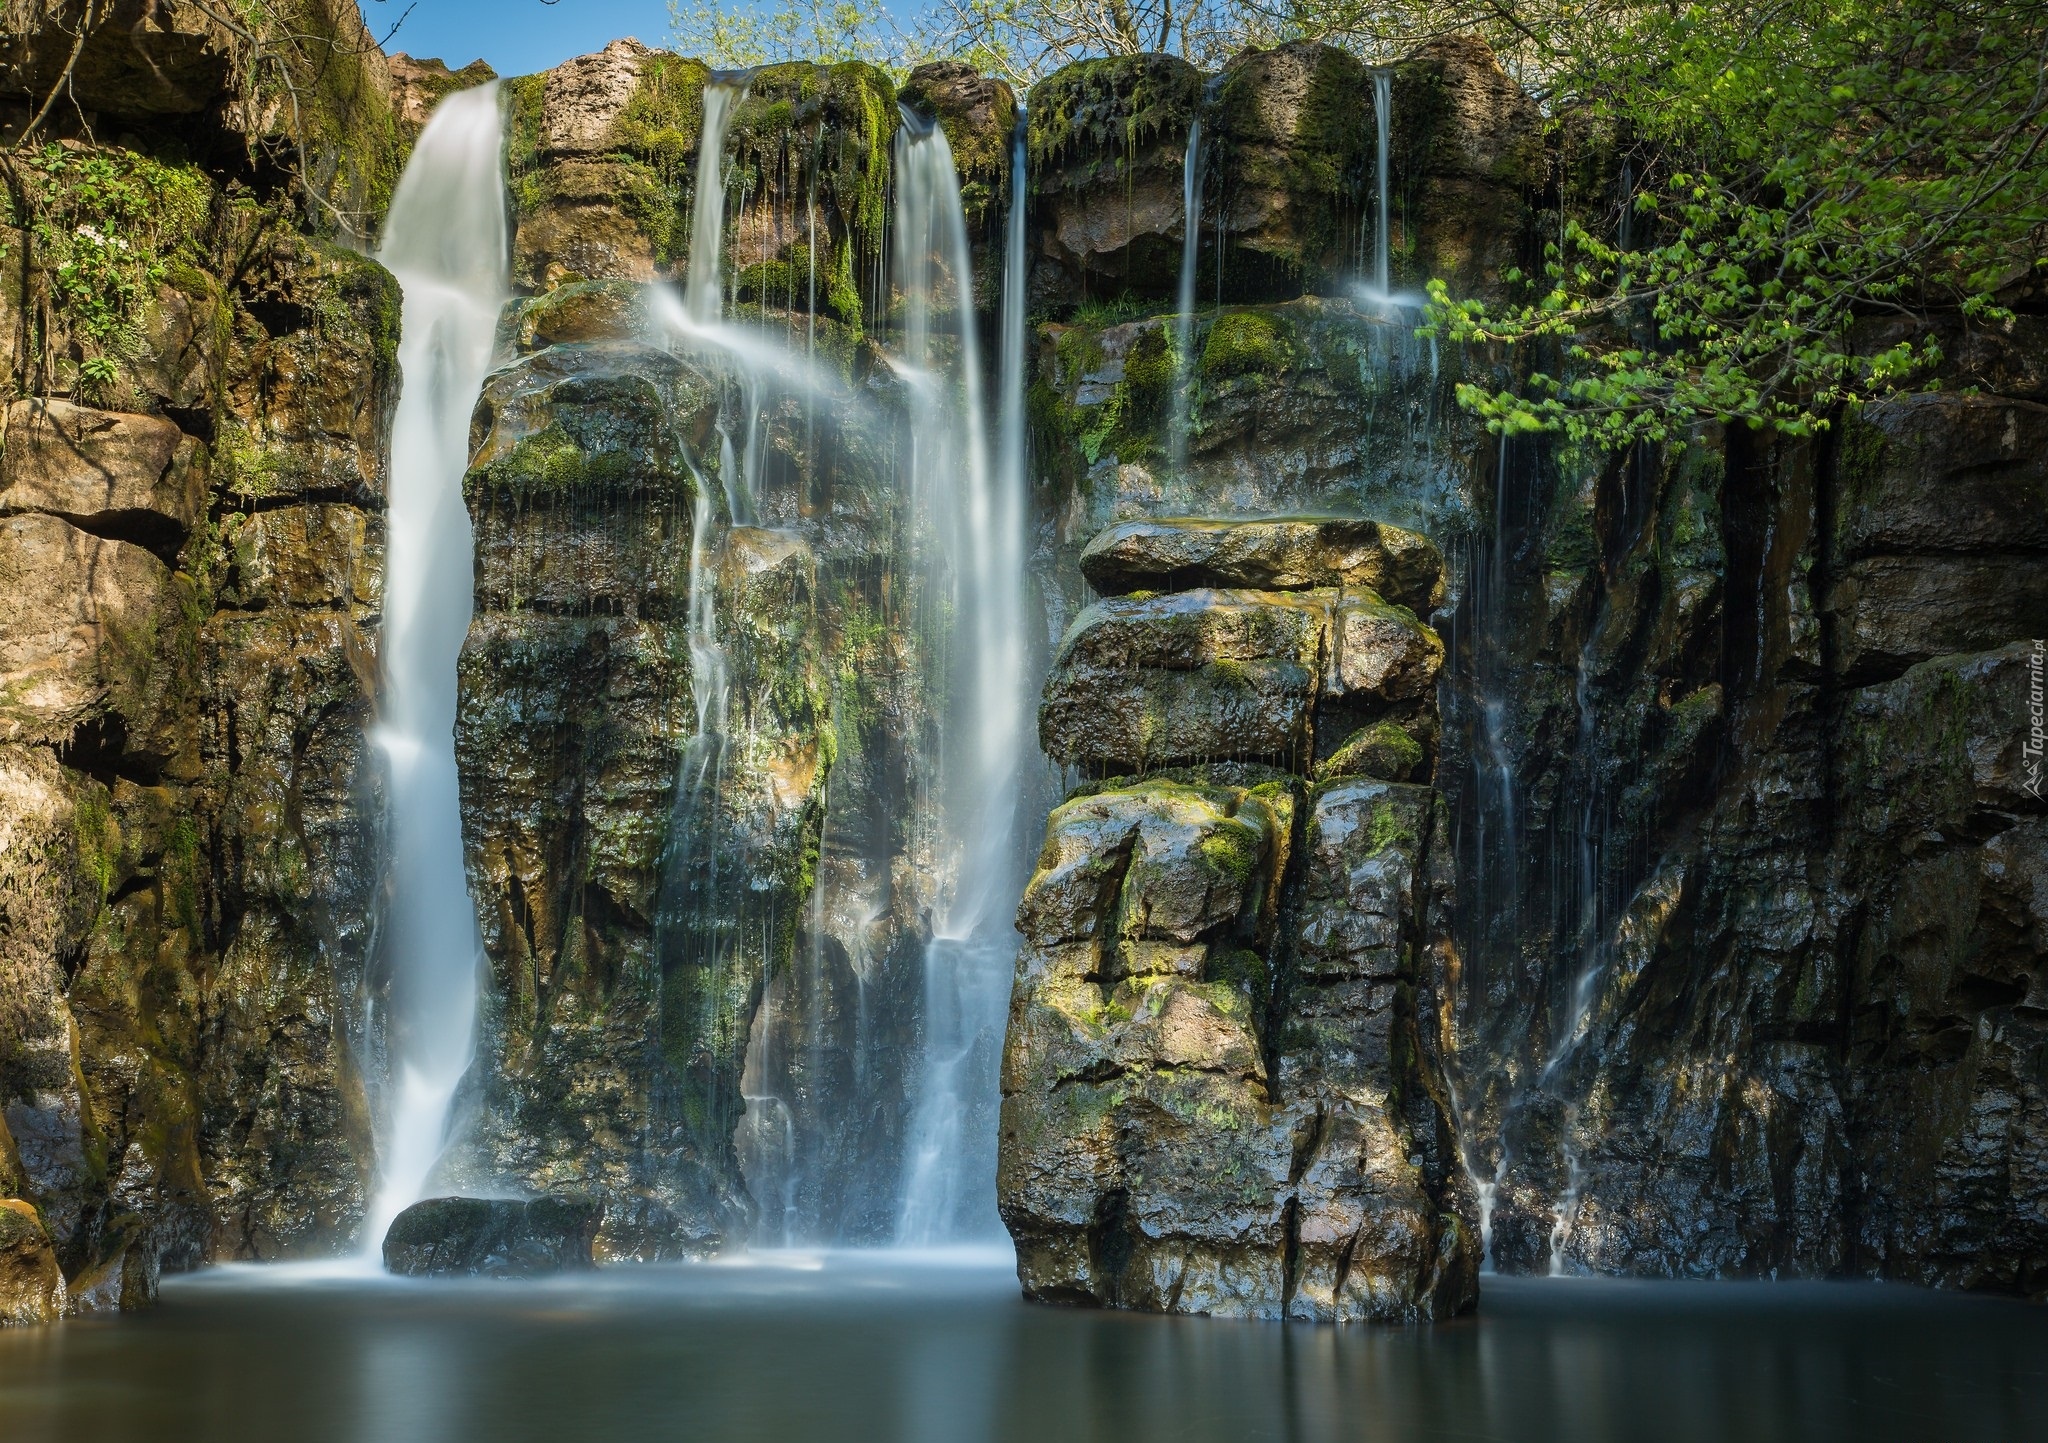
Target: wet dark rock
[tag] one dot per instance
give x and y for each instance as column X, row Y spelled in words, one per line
column 493, row 1237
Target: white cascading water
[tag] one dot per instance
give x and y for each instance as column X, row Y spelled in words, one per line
column 445, row 241
column 1383, row 121
column 970, row 515
column 1184, row 314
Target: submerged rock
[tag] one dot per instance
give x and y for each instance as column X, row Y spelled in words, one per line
column 493, row 1237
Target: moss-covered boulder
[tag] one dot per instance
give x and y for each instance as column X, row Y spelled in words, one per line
column 1294, row 146
column 1115, row 126
column 1192, row 676
column 1467, row 161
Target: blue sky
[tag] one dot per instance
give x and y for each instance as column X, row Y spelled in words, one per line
column 517, row 37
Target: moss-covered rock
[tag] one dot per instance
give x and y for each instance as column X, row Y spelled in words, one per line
column 1381, row 752
column 31, row 1285
column 1294, row 135
column 1116, row 126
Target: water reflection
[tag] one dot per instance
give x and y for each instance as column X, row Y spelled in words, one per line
column 936, row 1349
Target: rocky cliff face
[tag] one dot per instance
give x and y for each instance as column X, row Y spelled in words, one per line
column 1758, row 700
column 1223, row 1088
column 1632, row 863
column 190, row 528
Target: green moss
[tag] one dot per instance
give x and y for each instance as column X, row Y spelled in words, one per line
column 1241, row 968
column 661, row 121
column 1322, row 164
column 1250, row 342
column 1384, row 751
column 98, row 844
column 550, row 462
column 1108, row 107
column 828, row 127
column 1232, row 851
column 1386, row 829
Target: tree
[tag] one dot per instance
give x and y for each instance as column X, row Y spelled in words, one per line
column 1024, row 40
column 1796, row 165
column 824, row 30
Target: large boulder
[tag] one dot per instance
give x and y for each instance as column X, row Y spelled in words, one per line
column 1223, row 672
column 137, row 475
column 1111, row 126
column 84, row 628
column 1189, row 676
column 31, row 1284
column 1194, row 1118
column 492, row 1237
column 1294, row 134
column 1276, row 554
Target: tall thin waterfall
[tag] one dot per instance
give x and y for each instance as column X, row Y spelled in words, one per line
column 1184, row 315
column 445, row 241
column 970, row 571
column 703, row 287
column 1383, row 124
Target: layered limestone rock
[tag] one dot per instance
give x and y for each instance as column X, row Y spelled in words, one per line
column 1222, row 1090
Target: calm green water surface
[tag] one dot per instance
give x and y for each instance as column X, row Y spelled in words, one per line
column 851, row 1347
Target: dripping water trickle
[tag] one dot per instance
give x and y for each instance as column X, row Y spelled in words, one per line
column 1383, row 119
column 445, row 242
column 1184, row 315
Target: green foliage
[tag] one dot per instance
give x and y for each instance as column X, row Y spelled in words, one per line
column 100, row 231
column 733, row 37
column 1795, row 166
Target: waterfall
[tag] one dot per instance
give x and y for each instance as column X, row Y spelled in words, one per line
column 1383, row 124
column 1184, row 316
column 703, row 290
column 703, row 303
column 969, row 517
column 446, row 242
column 1016, row 266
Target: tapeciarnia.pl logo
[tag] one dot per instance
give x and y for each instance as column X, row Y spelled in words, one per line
column 2030, row 750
